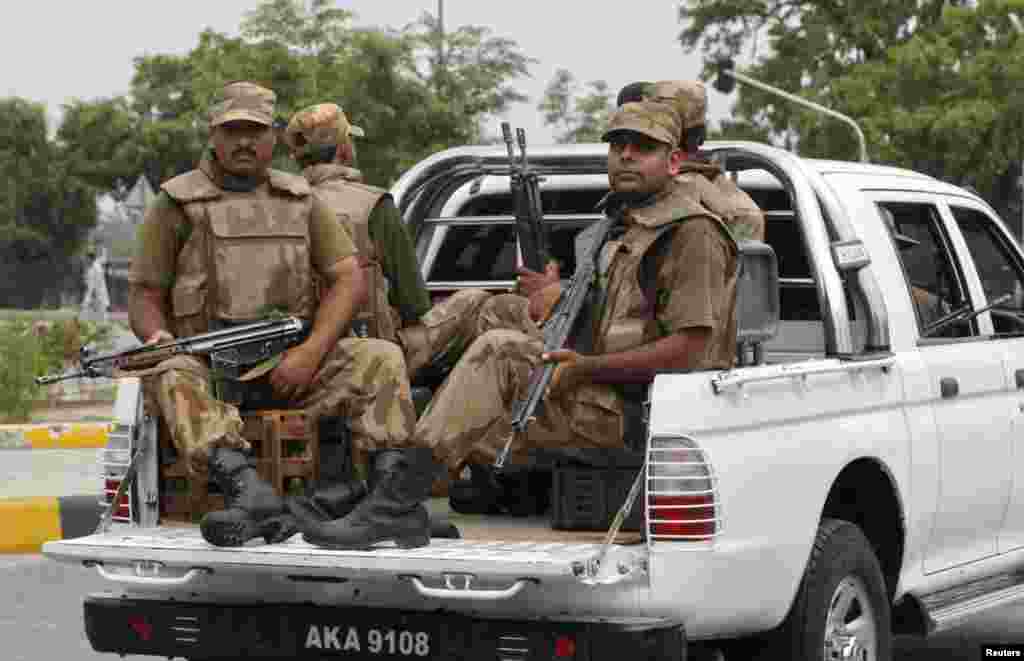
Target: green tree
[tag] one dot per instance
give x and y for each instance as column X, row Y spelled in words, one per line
column 580, row 114
column 390, row 82
column 46, row 212
column 932, row 83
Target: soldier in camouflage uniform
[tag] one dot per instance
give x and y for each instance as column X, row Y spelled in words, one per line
column 667, row 279
column 716, row 190
column 320, row 139
column 225, row 244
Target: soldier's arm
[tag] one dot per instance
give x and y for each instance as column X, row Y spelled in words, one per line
column 398, row 260
column 346, row 291
column 334, row 257
column 161, row 236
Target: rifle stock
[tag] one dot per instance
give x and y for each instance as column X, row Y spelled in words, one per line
column 230, row 349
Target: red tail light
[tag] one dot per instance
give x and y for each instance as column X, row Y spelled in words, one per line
column 682, row 516
column 682, row 502
column 123, row 508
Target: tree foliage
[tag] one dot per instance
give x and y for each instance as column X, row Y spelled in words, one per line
column 414, row 91
column 934, row 84
column 579, row 112
column 46, row 208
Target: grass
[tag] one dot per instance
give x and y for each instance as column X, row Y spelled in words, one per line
column 44, row 314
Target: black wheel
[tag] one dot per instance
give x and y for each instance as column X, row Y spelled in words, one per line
column 842, row 608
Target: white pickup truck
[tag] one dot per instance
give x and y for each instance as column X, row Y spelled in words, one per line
column 855, row 475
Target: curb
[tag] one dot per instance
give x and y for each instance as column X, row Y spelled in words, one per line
column 28, row 523
column 54, row 436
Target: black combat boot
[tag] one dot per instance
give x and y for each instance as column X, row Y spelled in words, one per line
column 337, row 500
column 329, row 503
column 251, row 507
column 392, row 512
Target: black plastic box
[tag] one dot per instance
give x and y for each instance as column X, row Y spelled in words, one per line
column 587, row 498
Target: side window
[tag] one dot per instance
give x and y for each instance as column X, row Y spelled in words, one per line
column 999, row 270
column 934, row 280
column 486, row 252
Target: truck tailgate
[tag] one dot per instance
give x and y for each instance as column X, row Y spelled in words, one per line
column 180, row 549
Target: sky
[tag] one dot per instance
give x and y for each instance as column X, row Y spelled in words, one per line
column 87, row 53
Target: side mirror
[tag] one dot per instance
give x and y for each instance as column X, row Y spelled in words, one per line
column 724, row 82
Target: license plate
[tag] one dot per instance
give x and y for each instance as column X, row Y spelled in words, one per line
column 360, row 640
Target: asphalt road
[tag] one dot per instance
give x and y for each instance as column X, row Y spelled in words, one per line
column 41, row 618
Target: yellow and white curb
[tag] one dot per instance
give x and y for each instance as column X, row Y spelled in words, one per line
column 58, row 436
column 28, row 523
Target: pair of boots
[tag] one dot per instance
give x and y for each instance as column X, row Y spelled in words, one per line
column 341, row 517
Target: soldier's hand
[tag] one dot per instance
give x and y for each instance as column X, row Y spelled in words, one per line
column 543, row 302
column 160, row 337
column 530, row 282
column 572, row 370
column 292, row 377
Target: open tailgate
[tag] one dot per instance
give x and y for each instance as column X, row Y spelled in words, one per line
column 180, row 550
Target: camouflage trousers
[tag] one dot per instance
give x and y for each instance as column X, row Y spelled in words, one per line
column 469, row 418
column 363, row 380
column 444, row 331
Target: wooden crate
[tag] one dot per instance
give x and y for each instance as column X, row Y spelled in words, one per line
column 287, row 450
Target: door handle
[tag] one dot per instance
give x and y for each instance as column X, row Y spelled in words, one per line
column 949, row 387
column 1018, row 377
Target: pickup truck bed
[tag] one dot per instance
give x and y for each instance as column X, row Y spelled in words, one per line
column 500, row 548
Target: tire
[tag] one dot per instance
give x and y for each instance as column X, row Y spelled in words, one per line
column 842, row 608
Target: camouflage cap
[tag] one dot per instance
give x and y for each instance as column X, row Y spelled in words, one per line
column 688, row 97
column 241, row 100
column 320, row 124
column 652, row 118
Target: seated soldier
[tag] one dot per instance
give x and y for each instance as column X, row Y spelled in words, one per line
column 681, row 317
column 223, row 244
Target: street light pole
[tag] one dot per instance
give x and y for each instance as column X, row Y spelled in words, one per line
column 727, row 68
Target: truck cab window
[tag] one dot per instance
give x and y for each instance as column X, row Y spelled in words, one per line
column 1001, row 275
column 475, row 254
column 934, row 281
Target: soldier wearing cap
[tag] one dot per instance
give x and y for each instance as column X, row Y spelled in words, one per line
column 231, row 242
column 715, row 189
column 668, row 290
column 320, row 139
column 399, row 310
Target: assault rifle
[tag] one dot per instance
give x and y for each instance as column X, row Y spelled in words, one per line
column 557, row 330
column 231, row 350
column 525, row 186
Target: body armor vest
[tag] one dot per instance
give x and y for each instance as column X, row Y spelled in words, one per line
column 247, row 255
column 627, row 271
column 352, row 202
column 719, row 193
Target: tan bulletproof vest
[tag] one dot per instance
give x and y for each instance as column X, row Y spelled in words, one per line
column 627, row 319
column 352, row 203
column 247, row 255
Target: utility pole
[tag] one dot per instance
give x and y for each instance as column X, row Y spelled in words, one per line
column 442, row 64
column 725, row 83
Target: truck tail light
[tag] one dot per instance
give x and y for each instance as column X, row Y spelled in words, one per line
column 682, row 494
column 114, row 464
column 123, row 508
